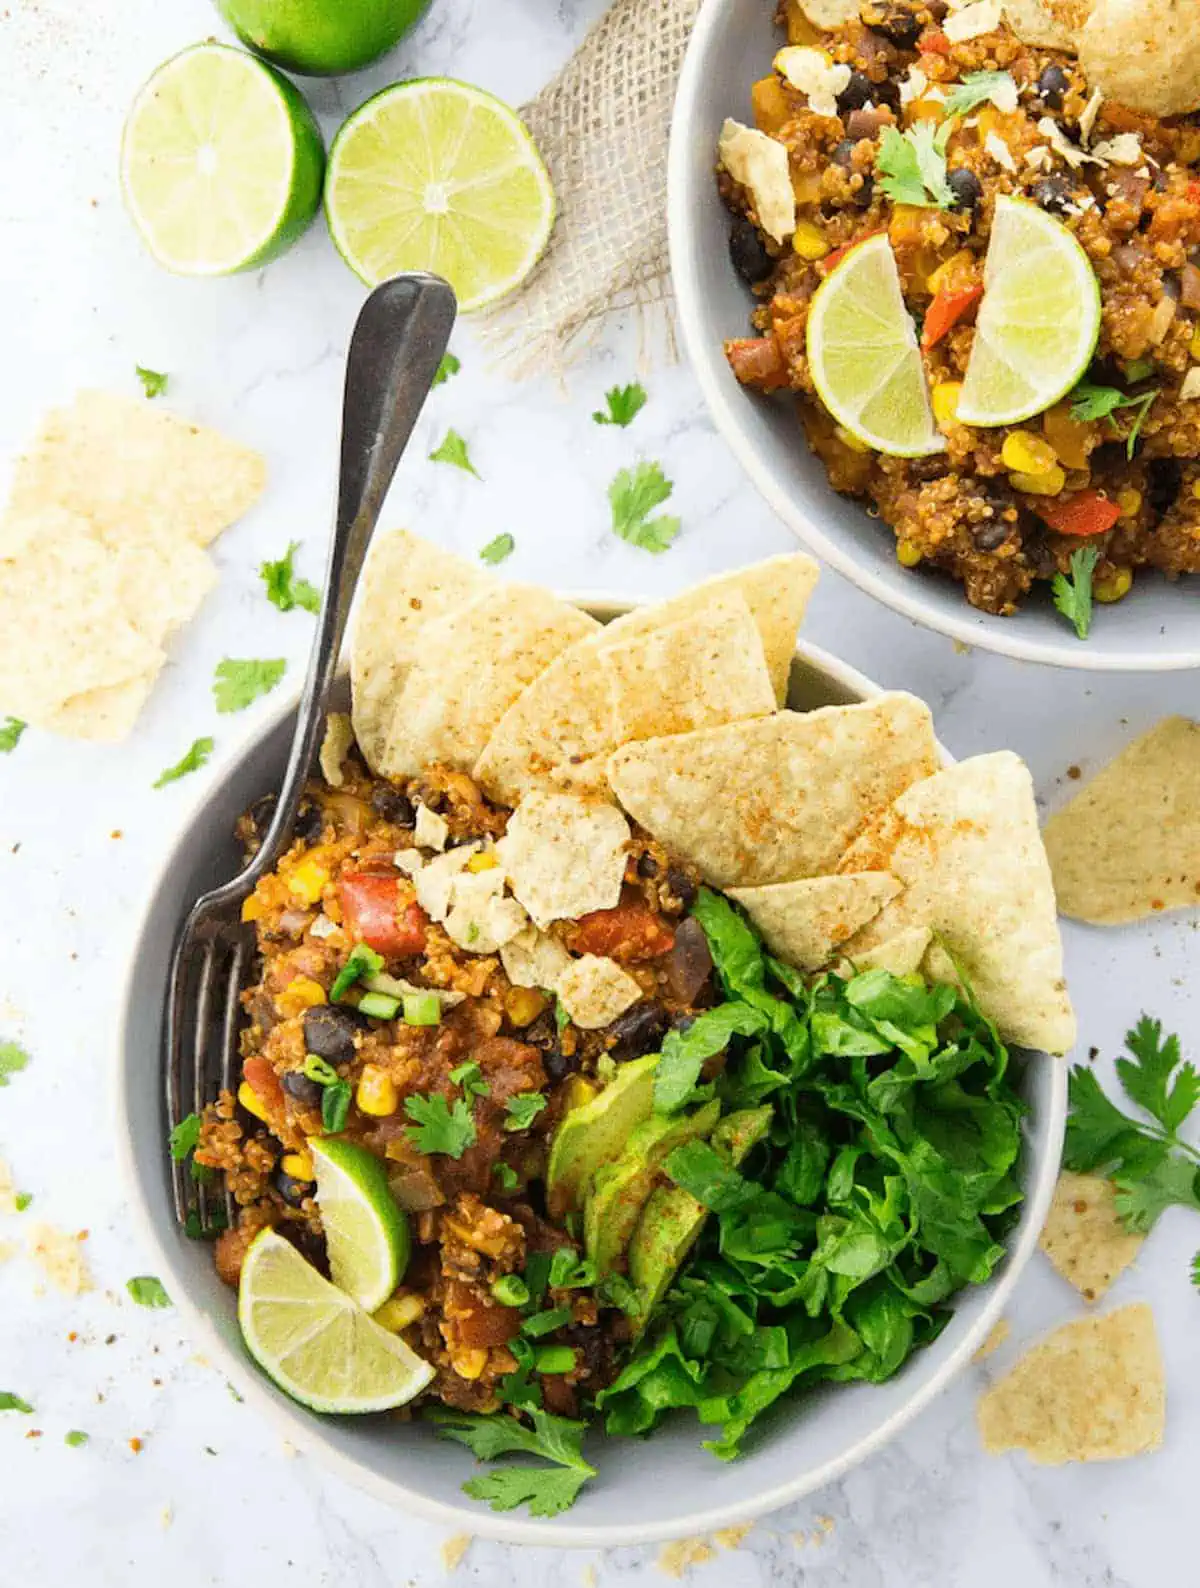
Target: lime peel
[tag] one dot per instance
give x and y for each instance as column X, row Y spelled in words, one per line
column 366, row 1234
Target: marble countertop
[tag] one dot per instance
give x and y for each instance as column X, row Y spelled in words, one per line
column 212, row 1497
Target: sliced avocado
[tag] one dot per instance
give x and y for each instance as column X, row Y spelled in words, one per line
column 619, row 1190
column 597, row 1133
column 672, row 1219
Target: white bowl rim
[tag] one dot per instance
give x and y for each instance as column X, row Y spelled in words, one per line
column 303, row 1429
column 707, row 368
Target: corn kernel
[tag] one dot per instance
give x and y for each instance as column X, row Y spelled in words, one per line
column 253, row 908
column 945, row 401
column 1049, row 484
column 307, row 880
column 1129, row 501
column 1115, row 587
column 849, row 439
column 251, row 1102
column 523, row 1005
column 376, row 1094
column 469, row 1364
column 809, row 241
column 299, row 1165
column 1025, row 453
column 1195, row 344
column 301, row 993
column 908, row 555
column 398, row 1312
column 484, row 861
column 578, row 1092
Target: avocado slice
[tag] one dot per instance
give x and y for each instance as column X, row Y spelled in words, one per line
column 672, row 1218
column 597, row 1133
column 619, row 1190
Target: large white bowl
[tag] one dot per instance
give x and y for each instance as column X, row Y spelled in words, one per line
column 1156, row 628
column 664, row 1487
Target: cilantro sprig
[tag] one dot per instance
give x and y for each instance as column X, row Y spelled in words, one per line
column 633, row 496
column 11, row 730
column 453, row 450
column 497, row 549
column 438, row 1127
column 284, row 589
column 13, row 1059
column 238, row 683
column 450, row 365
column 1073, row 592
column 623, row 404
column 912, row 165
column 191, row 761
column 546, row 1489
column 521, row 1111
column 1090, row 402
column 154, row 382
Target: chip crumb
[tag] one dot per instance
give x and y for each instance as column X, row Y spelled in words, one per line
column 961, row 648
column 60, row 1258
column 453, row 1550
column 800, row 1539
column 731, row 1537
column 997, row 1335
column 826, row 1524
column 683, row 1553
column 588, row 1575
column 137, row 1445
column 116, row 833
column 1084, row 1237
column 290, row 1450
column 166, row 1516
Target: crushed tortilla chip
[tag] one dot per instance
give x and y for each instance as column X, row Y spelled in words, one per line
column 1083, row 1235
column 60, row 1257
column 533, row 958
column 593, row 991
column 453, row 1550
column 564, row 856
column 997, row 1335
column 679, row 1556
column 335, row 747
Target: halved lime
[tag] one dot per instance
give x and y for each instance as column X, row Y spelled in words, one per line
column 1039, row 320
column 366, row 1234
column 315, row 1342
column 436, row 175
column 864, row 358
column 321, row 37
column 221, row 162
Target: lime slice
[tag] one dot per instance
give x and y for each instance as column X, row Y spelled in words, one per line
column 321, row 38
column 315, row 1342
column 366, row 1234
column 1039, row 320
column 436, row 175
column 864, row 358
column 221, row 162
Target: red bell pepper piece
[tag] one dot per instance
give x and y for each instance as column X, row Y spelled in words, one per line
column 757, row 361
column 626, row 932
column 946, row 310
column 1085, row 513
column 933, row 42
column 831, row 261
column 370, row 905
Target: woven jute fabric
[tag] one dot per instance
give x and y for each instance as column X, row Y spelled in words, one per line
column 602, row 127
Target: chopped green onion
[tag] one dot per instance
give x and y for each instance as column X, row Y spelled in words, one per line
column 320, row 1070
column 362, row 961
column 422, row 1009
column 379, row 1006
column 554, row 1359
column 510, row 1290
column 335, row 1105
column 546, row 1322
column 390, row 985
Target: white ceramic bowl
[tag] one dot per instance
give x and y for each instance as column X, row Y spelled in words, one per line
column 1156, row 628
column 664, row 1487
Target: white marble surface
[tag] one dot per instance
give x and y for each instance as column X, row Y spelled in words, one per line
column 212, row 1497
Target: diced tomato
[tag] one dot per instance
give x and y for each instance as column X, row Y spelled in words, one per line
column 933, row 42
column 757, row 361
column 1085, row 513
column 834, row 259
column 1193, row 192
column 627, row 932
column 946, row 310
column 264, row 1083
column 371, row 908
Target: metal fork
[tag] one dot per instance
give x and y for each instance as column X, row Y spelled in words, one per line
column 398, row 341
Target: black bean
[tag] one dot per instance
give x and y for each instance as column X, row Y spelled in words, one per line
column 887, row 93
column 896, row 22
column 309, row 823
column 298, row 1087
column 558, row 1065
column 647, row 866
column 329, row 1032
column 990, row 533
column 291, row 1190
column 859, row 91
column 966, row 187
column 392, row 805
column 1052, row 85
column 862, row 195
column 681, row 886
column 639, row 1030
column 748, row 252
column 1052, row 193
column 1164, row 477
column 843, row 155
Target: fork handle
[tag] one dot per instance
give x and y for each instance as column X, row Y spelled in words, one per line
column 398, row 342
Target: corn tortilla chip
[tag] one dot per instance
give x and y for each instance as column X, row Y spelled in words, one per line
column 1128, row 845
column 780, row 798
column 805, row 922
column 407, row 584
column 830, row 13
column 965, row 843
column 104, row 716
column 901, row 955
column 533, row 958
column 471, row 665
column 997, row 1335
column 564, row 856
column 1084, row 1237
column 594, row 991
column 1092, row 1391
column 1143, row 53
column 335, row 747
column 1045, row 24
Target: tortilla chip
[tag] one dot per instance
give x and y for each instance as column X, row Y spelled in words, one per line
column 780, row 798
column 901, row 955
column 594, row 991
column 335, row 747
column 471, row 665
column 1091, row 1391
column 830, row 13
column 1044, row 24
column 805, row 922
column 1083, row 1235
column 102, row 716
column 564, row 856
column 1143, row 54
column 965, row 842
column 407, row 584
column 997, row 1334
column 1128, row 845
column 565, row 718
column 533, row 958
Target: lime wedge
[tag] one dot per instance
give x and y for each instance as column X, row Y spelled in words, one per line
column 436, row 175
column 366, row 1234
column 315, row 1342
column 1039, row 320
column 221, row 162
column 864, row 358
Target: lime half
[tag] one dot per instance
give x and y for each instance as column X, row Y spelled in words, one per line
column 366, row 1234
column 315, row 1342
column 221, row 162
column 436, row 175
column 1039, row 320
column 864, row 358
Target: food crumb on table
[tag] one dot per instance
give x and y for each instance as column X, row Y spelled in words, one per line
column 677, row 1557
column 999, row 1332
column 731, row 1537
column 59, row 1255
column 454, row 1549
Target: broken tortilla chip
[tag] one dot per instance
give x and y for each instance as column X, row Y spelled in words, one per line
column 336, row 745
column 564, row 856
column 593, row 991
column 1084, row 1236
column 1128, row 845
column 965, row 843
column 1045, row 24
column 900, row 955
column 1143, row 54
column 533, row 958
column 780, row 798
column 1092, row 1391
column 805, row 922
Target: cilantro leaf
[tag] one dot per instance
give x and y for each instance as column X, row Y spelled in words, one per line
column 1097, row 1131
column 497, row 550
column 22, row 1200
column 685, row 1052
column 449, row 366
column 154, row 383
column 1196, row 1270
column 191, row 761
column 437, row 1127
column 469, row 1077
column 13, row 1058
column 184, row 1137
column 523, row 1109
column 454, row 450
column 11, row 730
column 1073, row 592
column 547, row 1490
column 284, row 589
column 1175, row 1182
column 75, row 1438
column 974, row 89
column 238, row 684
column 912, row 165
column 1146, row 1077
column 624, row 405
column 13, row 1403
column 632, row 496
column 148, row 1291
column 1090, row 402
column 507, row 1176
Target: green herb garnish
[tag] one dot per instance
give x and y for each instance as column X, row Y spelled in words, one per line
column 192, row 761
column 469, row 1079
column 22, row 1200
column 154, row 382
column 547, row 1490
column 438, row 1127
column 540, row 1323
column 238, row 684
column 912, row 165
column 11, row 730
column 1090, row 402
column 335, row 1106
column 521, row 1111
column 13, row 1403
column 1073, row 592
column 497, row 550
column 974, row 89
column 148, row 1291
column 378, row 1006
column 75, row 1438
column 284, row 589
column 422, row 1009
column 633, row 496
column 448, row 366
column 624, row 403
column 510, row 1290
column 361, row 962
column 569, row 1272
column 184, row 1137
column 454, row 450
column 507, row 1176
column 13, row 1059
